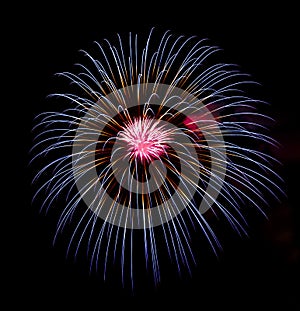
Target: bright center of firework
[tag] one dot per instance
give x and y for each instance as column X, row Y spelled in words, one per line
column 145, row 138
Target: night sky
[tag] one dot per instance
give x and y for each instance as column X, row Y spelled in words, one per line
column 258, row 272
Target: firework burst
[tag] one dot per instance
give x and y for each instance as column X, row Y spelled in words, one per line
column 145, row 138
column 155, row 136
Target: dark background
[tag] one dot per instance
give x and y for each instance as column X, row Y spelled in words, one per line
column 257, row 272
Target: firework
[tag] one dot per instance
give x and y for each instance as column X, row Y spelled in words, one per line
column 155, row 137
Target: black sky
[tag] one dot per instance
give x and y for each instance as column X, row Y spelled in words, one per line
column 258, row 272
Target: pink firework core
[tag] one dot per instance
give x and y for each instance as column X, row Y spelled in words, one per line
column 145, row 138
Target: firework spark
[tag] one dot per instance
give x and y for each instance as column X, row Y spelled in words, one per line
column 154, row 137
